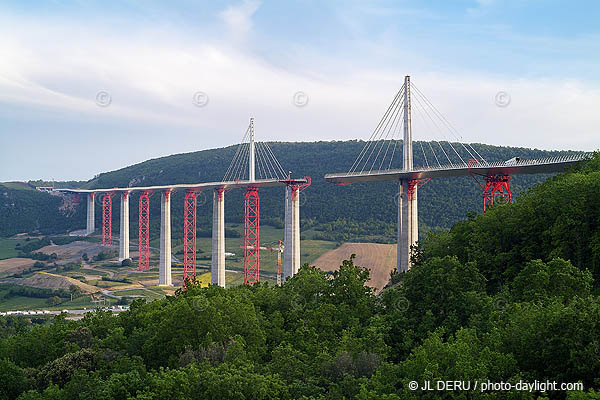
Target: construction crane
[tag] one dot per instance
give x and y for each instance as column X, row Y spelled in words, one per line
column 279, row 249
column 279, row 252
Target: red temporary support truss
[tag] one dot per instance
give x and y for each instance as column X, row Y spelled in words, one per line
column 496, row 186
column 415, row 183
column 106, row 219
column 189, row 236
column 251, row 236
column 144, row 233
column 297, row 188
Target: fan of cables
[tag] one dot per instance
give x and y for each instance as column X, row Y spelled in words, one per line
column 266, row 164
column 383, row 150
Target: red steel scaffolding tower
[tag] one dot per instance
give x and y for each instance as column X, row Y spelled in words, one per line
column 189, row 236
column 106, row 219
column 251, row 236
column 496, row 186
column 144, row 230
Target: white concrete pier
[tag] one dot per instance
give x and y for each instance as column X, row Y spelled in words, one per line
column 164, row 272
column 90, row 214
column 124, row 226
column 408, row 229
column 217, row 269
column 291, row 252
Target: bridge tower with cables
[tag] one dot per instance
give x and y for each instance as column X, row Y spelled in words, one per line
column 376, row 160
column 255, row 163
column 408, row 214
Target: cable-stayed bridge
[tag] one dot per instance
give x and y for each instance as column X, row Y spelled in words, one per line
column 378, row 161
column 255, row 166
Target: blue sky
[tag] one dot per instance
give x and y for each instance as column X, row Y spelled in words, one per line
column 250, row 57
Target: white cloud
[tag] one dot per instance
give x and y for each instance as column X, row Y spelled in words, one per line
column 153, row 75
column 238, row 18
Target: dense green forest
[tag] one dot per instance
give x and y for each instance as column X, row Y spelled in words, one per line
column 509, row 296
column 340, row 213
column 24, row 209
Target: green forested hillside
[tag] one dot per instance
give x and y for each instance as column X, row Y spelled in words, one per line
column 558, row 218
column 24, row 209
column 510, row 296
column 361, row 209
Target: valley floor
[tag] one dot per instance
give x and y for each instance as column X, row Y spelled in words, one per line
column 102, row 281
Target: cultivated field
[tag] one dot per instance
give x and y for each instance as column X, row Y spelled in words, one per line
column 73, row 251
column 380, row 259
column 12, row 266
column 109, row 281
column 47, row 280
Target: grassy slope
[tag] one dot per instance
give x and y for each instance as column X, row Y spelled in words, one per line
column 7, row 247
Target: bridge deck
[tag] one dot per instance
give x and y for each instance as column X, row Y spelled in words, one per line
column 195, row 186
column 544, row 166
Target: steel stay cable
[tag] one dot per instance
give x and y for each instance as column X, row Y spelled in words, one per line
column 369, row 142
column 396, row 108
column 393, row 129
column 395, row 143
column 439, row 130
column 427, row 124
column 383, row 140
column 236, row 154
column 448, row 124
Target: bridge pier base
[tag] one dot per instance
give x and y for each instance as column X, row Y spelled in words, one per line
column 124, row 227
column 164, row 271
column 408, row 223
column 217, row 268
column 90, row 214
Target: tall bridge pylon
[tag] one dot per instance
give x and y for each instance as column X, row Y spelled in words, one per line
column 408, row 213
